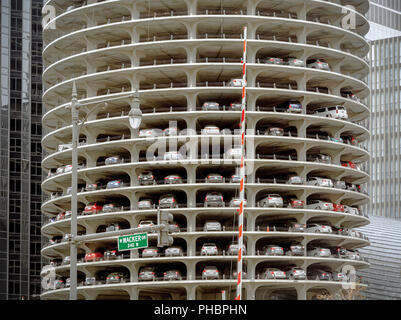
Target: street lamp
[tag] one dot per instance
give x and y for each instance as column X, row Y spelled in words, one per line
column 135, row 119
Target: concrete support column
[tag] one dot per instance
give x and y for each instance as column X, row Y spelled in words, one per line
column 89, row 295
column 191, row 292
column 133, row 293
column 301, row 292
column 192, row 6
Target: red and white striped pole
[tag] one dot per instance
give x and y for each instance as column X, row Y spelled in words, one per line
column 242, row 174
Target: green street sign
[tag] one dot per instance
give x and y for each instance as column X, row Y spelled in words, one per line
column 134, row 241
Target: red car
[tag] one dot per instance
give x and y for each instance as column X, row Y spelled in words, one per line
column 94, row 256
column 348, row 164
column 92, row 208
column 338, row 207
column 294, row 203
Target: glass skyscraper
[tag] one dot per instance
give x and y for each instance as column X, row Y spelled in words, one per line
column 20, row 148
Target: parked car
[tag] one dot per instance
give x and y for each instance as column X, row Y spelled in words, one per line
column 150, row 252
column 319, row 252
column 236, row 178
column 172, row 275
column 210, row 106
column 337, row 112
column 235, row 83
column 322, row 158
column 318, row 228
column 113, row 160
column 273, row 273
column 173, row 155
column 116, row 184
column 174, row 227
column 113, row 227
column 352, row 187
column 147, row 274
column 93, row 256
column 174, row 252
column 60, row 216
column 173, row 179
column 348, row 164
column 319, row 205
column 171, row 131
column 149, row 133
column 146, row 178
column 296, row 273
column 145, row 204
column 210, row 272
column 210, row 130
column 318, row 64
column 92, row 208
column 295, row 203
column 295, row 180
column 235, row 202
column 272, row 200
column 167, row 201
column 214, row 199
column 233, row 153
column 66, row 260
column 111, row 207
column 273, row 60
column 295, row 250
column 234, row 247
column 274, row 131
column 319, row 274
column 291, row 106
column 91, row 187
column 209, row 249
column 115, row 277
column 338, row 276
column 320, row 182
column 295, row 62
column 338, row 207
column 235, row 275
column 90, row 281
column 351, row 210
column 214, row 178
column 339, row 184
column 146, row 223
column 64, row 146
column 273, row 250
column 212, row 226
column 112, row 254
column 296, row 227
column 235, row 106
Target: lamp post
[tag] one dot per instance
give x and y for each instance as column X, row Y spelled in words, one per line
column 135, row 119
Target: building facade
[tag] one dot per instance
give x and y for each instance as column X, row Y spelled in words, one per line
column 385, row 19
column 306, row 105
column 21, row 88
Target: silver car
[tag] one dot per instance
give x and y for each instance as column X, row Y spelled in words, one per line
column 320, row 205
column 296, row 250
column 172, row 275
column 233, row 249
column 271, row 200
column 174, row 252
column 337, row 276
column 214, row 178
column 210, row 106
column 210, row 130
column 274, row 131
column 210, row 272
column 339, row 184
column 295, row 62
column 113, row 160
column 150, row 252
column 235, row 202
column 351, row 210
column 145, row 204
column 146, row 178
column 147, row 274
column 320, row 182
column 296, row 273
column 318, row 228
column 167, row 201
column 214, row 199
column 274, row 273
column 295, row 180
column 274, row 250
column 322, row 158
column 212, row 226
column 146, row 223
column 148, row 133
column 111, row 207
column 318, row 64
column 209, row 249
column 319, row 252
column 90, row 281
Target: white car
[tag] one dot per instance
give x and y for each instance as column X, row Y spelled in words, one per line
column 320, row 182
column 210, row 106
column 318, row 228
column 235, row 83
column 210, row 272
column 235, row 202
column 233, row 249
column 145, row 204
column 274, row 273
column 65, row 146
column 319, row 252
column 148, row 133
column 209, row 249
column 174, row 252
column 351, row 210
column 150, row 252
column 233, row 153
column 173, row 155
column 212, row 226
column 210, row 130
column 337, row 112
column 320, row 205
column 272, row 200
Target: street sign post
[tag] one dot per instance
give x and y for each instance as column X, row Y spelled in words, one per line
column 134, row 241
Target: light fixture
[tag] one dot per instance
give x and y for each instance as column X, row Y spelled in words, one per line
column 135, row 114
